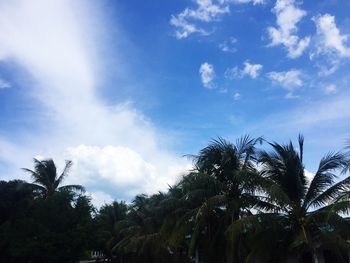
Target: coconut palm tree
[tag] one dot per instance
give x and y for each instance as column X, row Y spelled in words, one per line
column 304, row 216
column 137, row 231
column 46, row 180
column 232, row 165
column 110, row 220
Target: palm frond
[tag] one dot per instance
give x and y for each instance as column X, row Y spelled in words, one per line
column 262, row 203
column 64, row 174
column 36, row 188
column 323, row 179
column 332, row 193
column 342, row 206
column 276, row 195
column 72, row 188
column 284, row 167
column 301, row 146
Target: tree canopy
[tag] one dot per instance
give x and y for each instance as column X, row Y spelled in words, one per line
column 240, row 203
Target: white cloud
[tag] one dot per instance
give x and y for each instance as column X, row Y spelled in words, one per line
column 254, row 2
column 289, row 80
column 207, row 74
column 206, row 11
column 229, row 45
column 4, row 84
column 328, row 66
column 330, row 89
column 233, row 73
column 251, row 70
column 309, row 175
column 100, row 198
column 236, row 96
column 330, row 40
column 288, row 16
column 192, row 20
column 185, row 28
column 122, row 167
column 52, row 41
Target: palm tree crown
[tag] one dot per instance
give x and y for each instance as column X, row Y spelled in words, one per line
column 304, row 215
column 46, row 179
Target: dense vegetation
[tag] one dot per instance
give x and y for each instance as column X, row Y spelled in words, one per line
column 239, row 204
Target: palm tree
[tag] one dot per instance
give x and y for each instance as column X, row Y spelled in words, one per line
column 47, row 182
column 202, row 216
column 232, row 166
column 304, row 216
column 110, row 220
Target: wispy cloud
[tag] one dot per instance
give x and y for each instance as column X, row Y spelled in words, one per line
column 324, row 123
column 206, row 11
column 194, row 20
column 254, row 2
column 207, row 74
column 249, row 69
column 288, row 15
column 289, row 80
column 51, row 42
column 229, row 45
column 330, row 89
column 4, row 84
column 236, row 96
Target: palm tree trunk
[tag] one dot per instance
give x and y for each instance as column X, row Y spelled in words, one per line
column 317, row 256
column 196, row 257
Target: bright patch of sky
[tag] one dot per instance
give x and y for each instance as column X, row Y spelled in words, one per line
column 126, row 88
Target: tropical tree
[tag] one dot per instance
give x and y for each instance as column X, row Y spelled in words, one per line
column 56, row 229
column 143, row 236
column 304, row 216
column 233, row 165
column 110, row 220
column 195, row 221
column 46, row 180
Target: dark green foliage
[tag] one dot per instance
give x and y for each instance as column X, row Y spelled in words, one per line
column 55, row 228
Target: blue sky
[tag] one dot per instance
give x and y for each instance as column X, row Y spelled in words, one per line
column 126, row 88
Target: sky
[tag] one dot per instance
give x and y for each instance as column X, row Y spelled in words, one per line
column 126, row 88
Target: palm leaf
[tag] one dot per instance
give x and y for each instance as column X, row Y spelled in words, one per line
column 71, row 188
column 64, row 173
column 331, row 193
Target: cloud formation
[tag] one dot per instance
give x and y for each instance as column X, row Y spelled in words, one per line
column 289, row 80
column 229, row 45
column 52, row 43
column 207, row 74
column 4, row 84
column 330, row 89
column 206, row 11
column 236, row 96
column 193, row 20
column 249, row 69
column 254, row 2
column 288, row 15
column 330, row 40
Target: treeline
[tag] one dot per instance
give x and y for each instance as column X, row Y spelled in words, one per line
column 239, row 204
